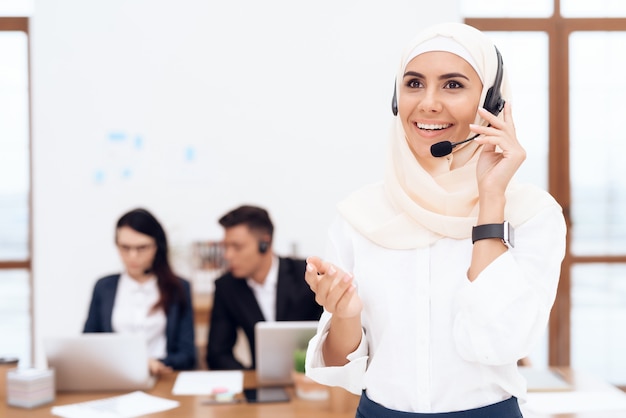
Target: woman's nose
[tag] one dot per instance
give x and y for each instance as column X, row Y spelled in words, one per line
column 430, row 102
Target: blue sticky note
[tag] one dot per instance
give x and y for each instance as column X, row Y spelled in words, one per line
column 190, row 154
column 117, row 136
column 127, row 173
column 98, row 176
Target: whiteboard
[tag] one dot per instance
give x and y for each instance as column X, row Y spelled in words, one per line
column 193, row 107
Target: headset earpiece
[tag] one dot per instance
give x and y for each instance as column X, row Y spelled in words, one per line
column 263, row 246
column 394, row 101
column 493, row 100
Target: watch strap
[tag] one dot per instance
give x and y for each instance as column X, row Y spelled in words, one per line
column 503, row 231
column 487, row 231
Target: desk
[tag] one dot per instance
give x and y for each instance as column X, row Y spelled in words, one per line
column 191, row 406
column 582, row 382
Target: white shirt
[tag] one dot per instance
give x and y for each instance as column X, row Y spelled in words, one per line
column 432, row 340
column 133, row 314
column 265, row 293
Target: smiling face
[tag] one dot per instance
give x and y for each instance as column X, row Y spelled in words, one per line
column 439, row 98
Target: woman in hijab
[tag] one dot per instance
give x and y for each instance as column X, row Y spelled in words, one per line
column 147, row 298
column 428, row 300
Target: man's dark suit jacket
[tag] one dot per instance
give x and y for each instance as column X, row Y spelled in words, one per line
column 235, row 306
column 179, row 328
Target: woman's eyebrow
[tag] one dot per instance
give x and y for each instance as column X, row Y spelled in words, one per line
column 441, row 77
column 453, row 75
column 413, row 74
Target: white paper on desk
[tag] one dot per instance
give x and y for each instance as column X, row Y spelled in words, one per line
column 206, row 382
column 575, row 401
column 131, row 405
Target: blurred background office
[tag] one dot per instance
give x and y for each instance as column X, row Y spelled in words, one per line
column 193, row 107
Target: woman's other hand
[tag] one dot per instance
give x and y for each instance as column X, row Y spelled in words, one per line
column 334, row 289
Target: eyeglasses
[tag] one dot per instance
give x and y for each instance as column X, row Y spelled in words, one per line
column 140, row 249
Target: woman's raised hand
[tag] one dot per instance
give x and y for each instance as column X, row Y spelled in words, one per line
column 496, row 167
column 334, row 289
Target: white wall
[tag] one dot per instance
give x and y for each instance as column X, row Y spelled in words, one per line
column 193, row 107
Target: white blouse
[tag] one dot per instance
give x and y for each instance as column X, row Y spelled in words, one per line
column 432, row 340
column 133, row 314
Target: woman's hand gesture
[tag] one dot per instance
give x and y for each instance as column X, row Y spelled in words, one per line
column 334, row 289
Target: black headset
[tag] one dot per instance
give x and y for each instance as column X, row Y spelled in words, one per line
column 263, row 246
column 494, row 102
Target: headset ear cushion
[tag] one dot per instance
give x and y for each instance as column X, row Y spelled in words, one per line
column 263, row 246
column 493, row 99
column 493, row 104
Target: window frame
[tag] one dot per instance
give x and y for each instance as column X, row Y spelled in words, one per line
column 22, row 24
column 558, row 29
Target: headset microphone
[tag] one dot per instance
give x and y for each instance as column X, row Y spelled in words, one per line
column 443, row 148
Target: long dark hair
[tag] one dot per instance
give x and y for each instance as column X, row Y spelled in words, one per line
column 170, row 287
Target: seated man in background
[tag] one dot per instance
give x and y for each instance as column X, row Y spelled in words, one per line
column 259, row 286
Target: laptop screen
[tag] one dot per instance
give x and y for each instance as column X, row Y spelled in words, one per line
column 99, row 362
column 275, row 344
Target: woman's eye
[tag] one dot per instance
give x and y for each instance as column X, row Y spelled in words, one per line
column 414, row 84
column 454, row 85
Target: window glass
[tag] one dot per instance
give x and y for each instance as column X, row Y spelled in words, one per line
column 14, row 148
column 529, row 87
column 596, row 8
column 597, row 89
column 16, row 7
column 500, row 8
column 598, row 318
column 15, row 315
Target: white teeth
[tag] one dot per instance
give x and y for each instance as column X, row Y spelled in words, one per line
column 432, row 127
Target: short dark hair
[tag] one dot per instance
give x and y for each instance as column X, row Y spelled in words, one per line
column 255, row 218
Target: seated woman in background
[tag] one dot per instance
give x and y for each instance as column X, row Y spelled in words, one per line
column 147, row 297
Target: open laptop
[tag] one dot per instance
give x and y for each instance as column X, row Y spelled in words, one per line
column 99, row 362
column 275, row 343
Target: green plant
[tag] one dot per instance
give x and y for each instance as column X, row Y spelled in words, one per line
column 298, row 360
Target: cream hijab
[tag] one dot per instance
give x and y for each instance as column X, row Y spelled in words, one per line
column 412, row 209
